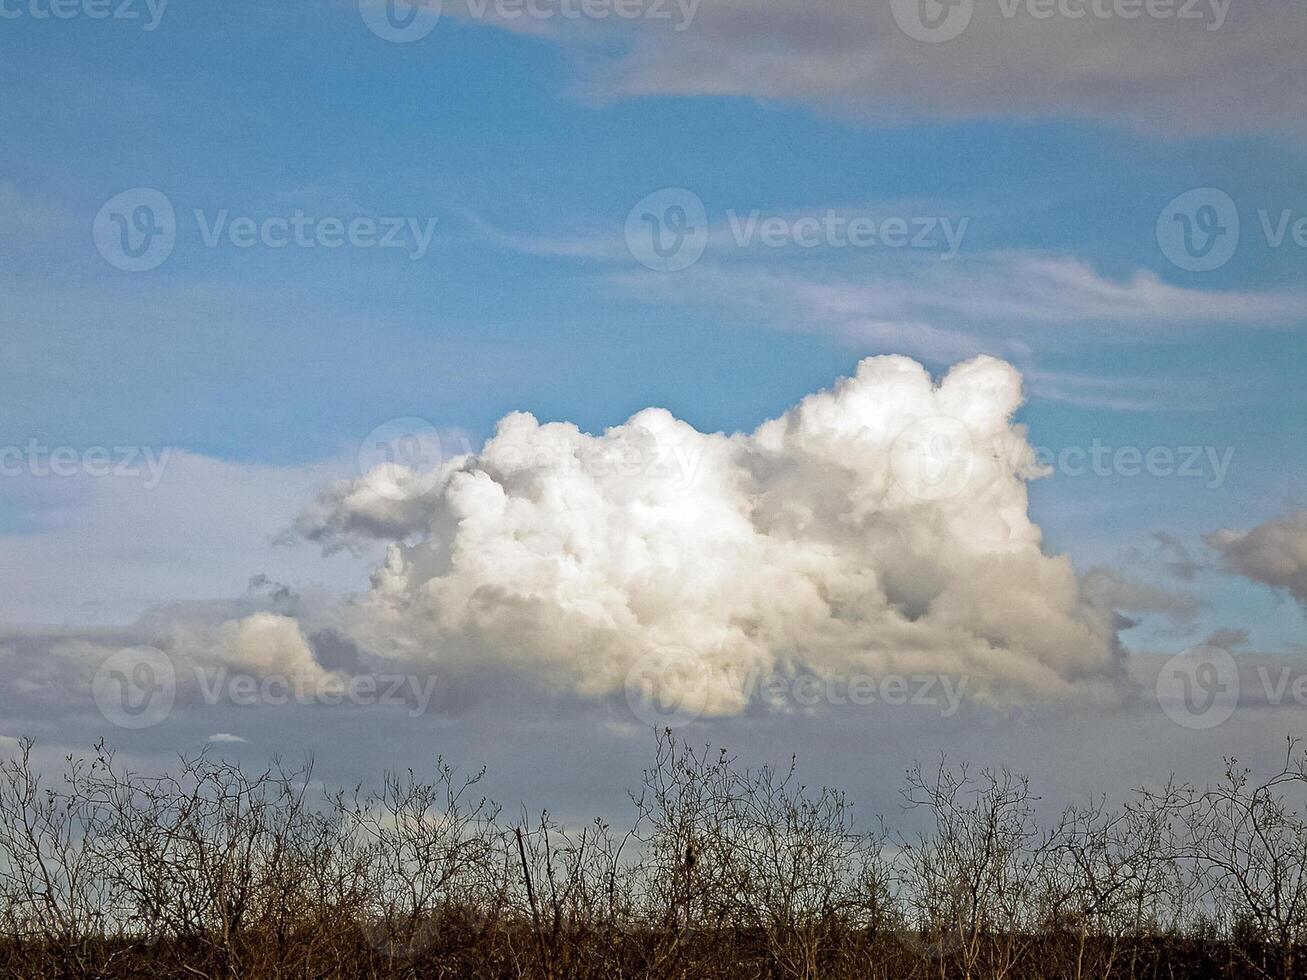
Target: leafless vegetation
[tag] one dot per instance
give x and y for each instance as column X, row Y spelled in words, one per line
column 212, row 872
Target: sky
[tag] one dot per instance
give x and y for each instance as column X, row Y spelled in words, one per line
column 272, row 274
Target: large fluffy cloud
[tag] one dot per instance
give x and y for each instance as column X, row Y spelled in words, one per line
column 880, row 526
column 1274, row 553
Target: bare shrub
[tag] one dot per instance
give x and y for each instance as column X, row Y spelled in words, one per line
column 1248, row 852
column 755, row 859
column 213, row 872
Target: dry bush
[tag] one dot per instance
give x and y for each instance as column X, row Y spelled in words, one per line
column 723, row 871
column 1247, row 849
column 755, row 862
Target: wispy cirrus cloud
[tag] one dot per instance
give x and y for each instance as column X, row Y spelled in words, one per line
column 1171, row 69
column 941, row 303
column 1122, row 394
column 1014, row 287
column 1013, row 304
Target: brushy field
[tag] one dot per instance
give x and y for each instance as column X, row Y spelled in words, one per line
column 213, row 872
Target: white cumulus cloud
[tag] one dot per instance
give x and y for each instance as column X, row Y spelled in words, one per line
column 877, row 527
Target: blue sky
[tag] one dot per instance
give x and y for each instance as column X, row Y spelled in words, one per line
column 529, row 150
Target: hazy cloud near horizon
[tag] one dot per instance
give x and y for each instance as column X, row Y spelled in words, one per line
column 1273, row 553
column 878, row 527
